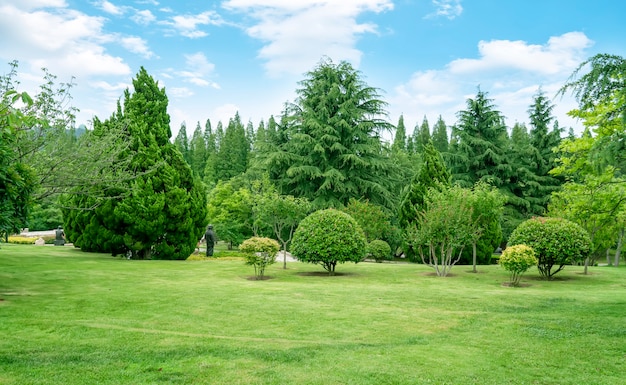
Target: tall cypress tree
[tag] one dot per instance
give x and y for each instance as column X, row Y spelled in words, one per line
column 163, row 214
column 399, row 139
column 421, row 136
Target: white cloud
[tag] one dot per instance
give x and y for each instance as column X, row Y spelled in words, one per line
column 198, row 71
column 67, row 42
column 188, row 25
column 110, row 8
column 511, row 72
column 561, row 53
column 137, row 45
column 298, row 33
column 450, row 9
column 144, row 17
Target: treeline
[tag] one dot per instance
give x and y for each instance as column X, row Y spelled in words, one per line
column 126, row 187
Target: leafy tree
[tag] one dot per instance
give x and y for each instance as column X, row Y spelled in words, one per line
column 487, row 206
column 556, row 242
column 373, row 219
column 443, row 227
column 328, row 237
column 16, row 178
column 334, row 150
column 259, row 252
column 517, row 260
column 163, row 214
column 230, row 211
column 283, row 213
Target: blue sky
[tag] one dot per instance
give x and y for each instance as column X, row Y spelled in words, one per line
column 218, row 57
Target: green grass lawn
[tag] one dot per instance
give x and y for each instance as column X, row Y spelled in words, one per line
column 68, row 317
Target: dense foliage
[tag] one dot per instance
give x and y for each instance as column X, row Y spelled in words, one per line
column 328, row 237
column 162, row 212
column 331, row 149
column 517, row 260
column 444, row 226
column 379, row 250
column 556, row 242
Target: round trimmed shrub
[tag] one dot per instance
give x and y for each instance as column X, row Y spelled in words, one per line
column 328, row 237
column 517, row 260
column 556, row 242
column 379, row 250
column 260, row 252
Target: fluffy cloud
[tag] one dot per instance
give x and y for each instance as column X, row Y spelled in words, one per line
column 198, row 70
column 298, row 33
column 189, row 25
column 511, row 72
column 68, row 41
column 136, row 45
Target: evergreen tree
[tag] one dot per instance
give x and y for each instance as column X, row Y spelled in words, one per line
column 334, row 150
column 440, row 136
column 210, row 138
column 480, row 154
column 182, row 142
column 544, row 141
column 164, row 212
column 421, row 136
column 232, row 155
column 399, row 140
column 198, row 149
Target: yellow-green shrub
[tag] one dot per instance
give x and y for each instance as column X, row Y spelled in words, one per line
column 517, row 260
column 379, row 250
column 22, row 240
column 260, row 252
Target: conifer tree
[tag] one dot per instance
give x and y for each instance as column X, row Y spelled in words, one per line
column 334, row 150
column 198, row 149
column 421, row 136
column 163, row 214
column 440, row 136
column 182, row 142
column 399, row 139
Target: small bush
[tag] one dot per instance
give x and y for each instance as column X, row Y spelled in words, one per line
column 229, row 255
column 556, row 242
column 328, row 237
column 259, row 252
column 517, row 260
column 379, row 250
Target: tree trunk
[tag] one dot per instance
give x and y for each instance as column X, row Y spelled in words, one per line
column 586, row 265
column 618, row 252
column 474, row 257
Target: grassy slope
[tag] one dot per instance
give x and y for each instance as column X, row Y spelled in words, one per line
column 68, row 317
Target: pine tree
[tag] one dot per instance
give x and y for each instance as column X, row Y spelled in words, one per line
column 198, row 149
column 233, row 152
column 421, row 136
column 182, row 142
column 544, row 141
column 440, row 136
column 399, row 140
column 334, row 150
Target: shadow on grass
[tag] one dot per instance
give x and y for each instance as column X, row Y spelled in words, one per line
column 322, row 274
